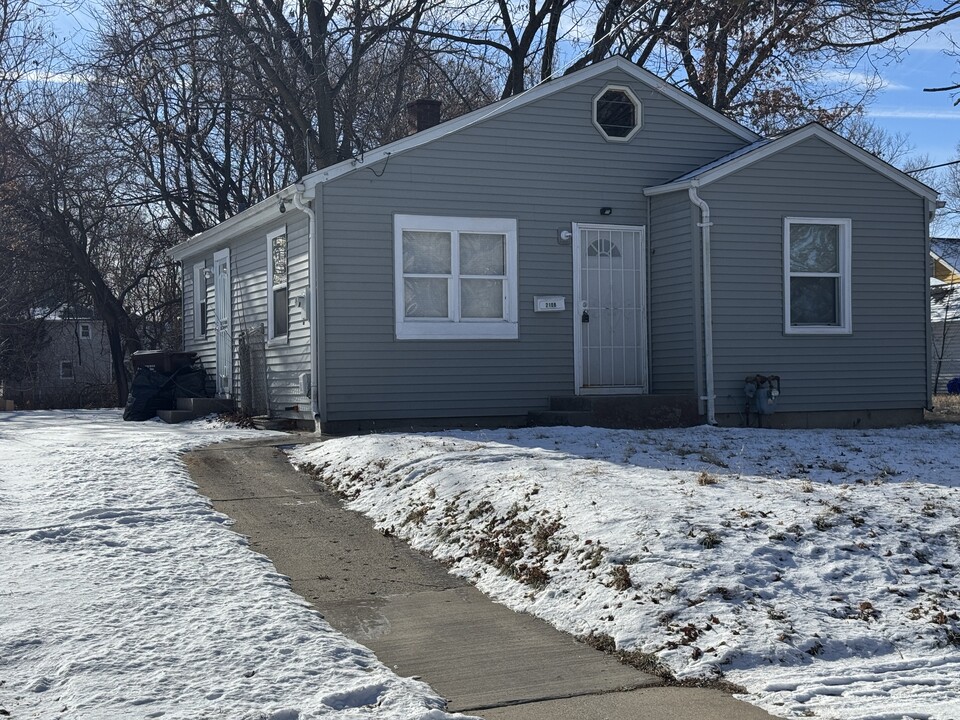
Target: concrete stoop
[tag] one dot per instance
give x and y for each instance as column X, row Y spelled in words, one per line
column 620, row 411
column 193, row 408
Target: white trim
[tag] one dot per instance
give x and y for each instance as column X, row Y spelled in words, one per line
column 740, row 160
column 271, row 288
column 643, row 332
column 453, row 327
column 638, row 108
column 199, row 298
column 846, row 280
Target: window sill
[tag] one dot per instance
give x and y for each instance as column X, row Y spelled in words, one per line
column 457, row 331
column 813, row 330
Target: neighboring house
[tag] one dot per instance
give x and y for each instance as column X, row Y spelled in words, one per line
column 601, row 235
column 72, row 368
column 944, row 312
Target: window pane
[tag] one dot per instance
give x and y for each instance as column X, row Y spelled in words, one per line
column 425, row 297
column 280, row 312
column 481, row 254
column 814, row 248
column 481, row 298
column 426, row 252
column 279, row 246
column 203, row 318
column 814, row 301
column 616, row 113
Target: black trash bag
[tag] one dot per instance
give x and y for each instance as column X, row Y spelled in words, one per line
column 189, row 382
column 150, row 391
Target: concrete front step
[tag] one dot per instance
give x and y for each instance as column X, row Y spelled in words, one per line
column 620, row 411
column 173, row 417
column 205, row 406
column 571, row 418
column 193, row 408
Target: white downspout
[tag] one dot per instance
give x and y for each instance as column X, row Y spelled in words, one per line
column 705, row 224
column 312, row 260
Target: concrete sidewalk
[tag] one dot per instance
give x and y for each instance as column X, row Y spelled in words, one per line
column 421, row 621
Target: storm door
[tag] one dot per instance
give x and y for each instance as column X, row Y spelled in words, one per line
column 610, row 309
column 222, row 322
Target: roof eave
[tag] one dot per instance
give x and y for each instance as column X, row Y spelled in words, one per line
column 533, row 94
column 787, row 141
column 252, row 216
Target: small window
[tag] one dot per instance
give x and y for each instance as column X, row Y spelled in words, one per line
column 84, row 331
column 199, row 301
column 617, row 113
column 66, row 370
column 278, row 303
column 817, row 287
column 455, row 277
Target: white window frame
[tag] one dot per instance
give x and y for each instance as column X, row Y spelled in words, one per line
column 199, row 300
column 637, row 104
column 72, row 375
column 89, row 329
column 453, row 327
column 845, row 327
column 271, row 288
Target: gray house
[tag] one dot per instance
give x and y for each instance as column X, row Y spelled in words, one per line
column 72, row 368
column 602, row 245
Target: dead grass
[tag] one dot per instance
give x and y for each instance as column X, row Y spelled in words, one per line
column 946, row 408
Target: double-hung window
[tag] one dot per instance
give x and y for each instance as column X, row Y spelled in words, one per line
column 456, row 278
column 84, row 331
column 66, row 370
column 278, row 306
column 817, row 283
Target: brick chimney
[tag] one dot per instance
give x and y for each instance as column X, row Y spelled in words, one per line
column 423, row 113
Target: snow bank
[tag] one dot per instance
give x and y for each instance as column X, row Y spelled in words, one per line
column 126, row 595
column 815, row 568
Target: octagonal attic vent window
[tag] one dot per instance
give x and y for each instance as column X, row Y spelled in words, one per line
column 616, row 113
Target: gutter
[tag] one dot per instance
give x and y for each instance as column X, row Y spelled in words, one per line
column 705, row 224
column 313, row 254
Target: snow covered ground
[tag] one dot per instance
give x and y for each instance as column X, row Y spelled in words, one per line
column 818, row 569
column 124, row 595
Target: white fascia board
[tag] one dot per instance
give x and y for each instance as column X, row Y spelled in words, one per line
column 231, row 227
column 787, row 141
column 517, row 101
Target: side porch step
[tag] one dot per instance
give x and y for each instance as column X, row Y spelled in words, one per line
column 193, row 408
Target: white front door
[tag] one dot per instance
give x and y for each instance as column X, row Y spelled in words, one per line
column 609, row 300
column 222, row 303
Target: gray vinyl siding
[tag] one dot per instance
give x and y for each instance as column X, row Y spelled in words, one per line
column 882, row 364
column 673, row 295
column 543, row 164
column 285, row 359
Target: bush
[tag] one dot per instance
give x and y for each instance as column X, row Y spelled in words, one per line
column 953, row 387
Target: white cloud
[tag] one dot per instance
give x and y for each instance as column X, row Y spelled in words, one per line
column 914, row 114
column 863, row 79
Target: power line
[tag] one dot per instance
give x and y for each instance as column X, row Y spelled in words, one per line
column 931, row 167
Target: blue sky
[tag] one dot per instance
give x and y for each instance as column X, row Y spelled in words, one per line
column 929, row 119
